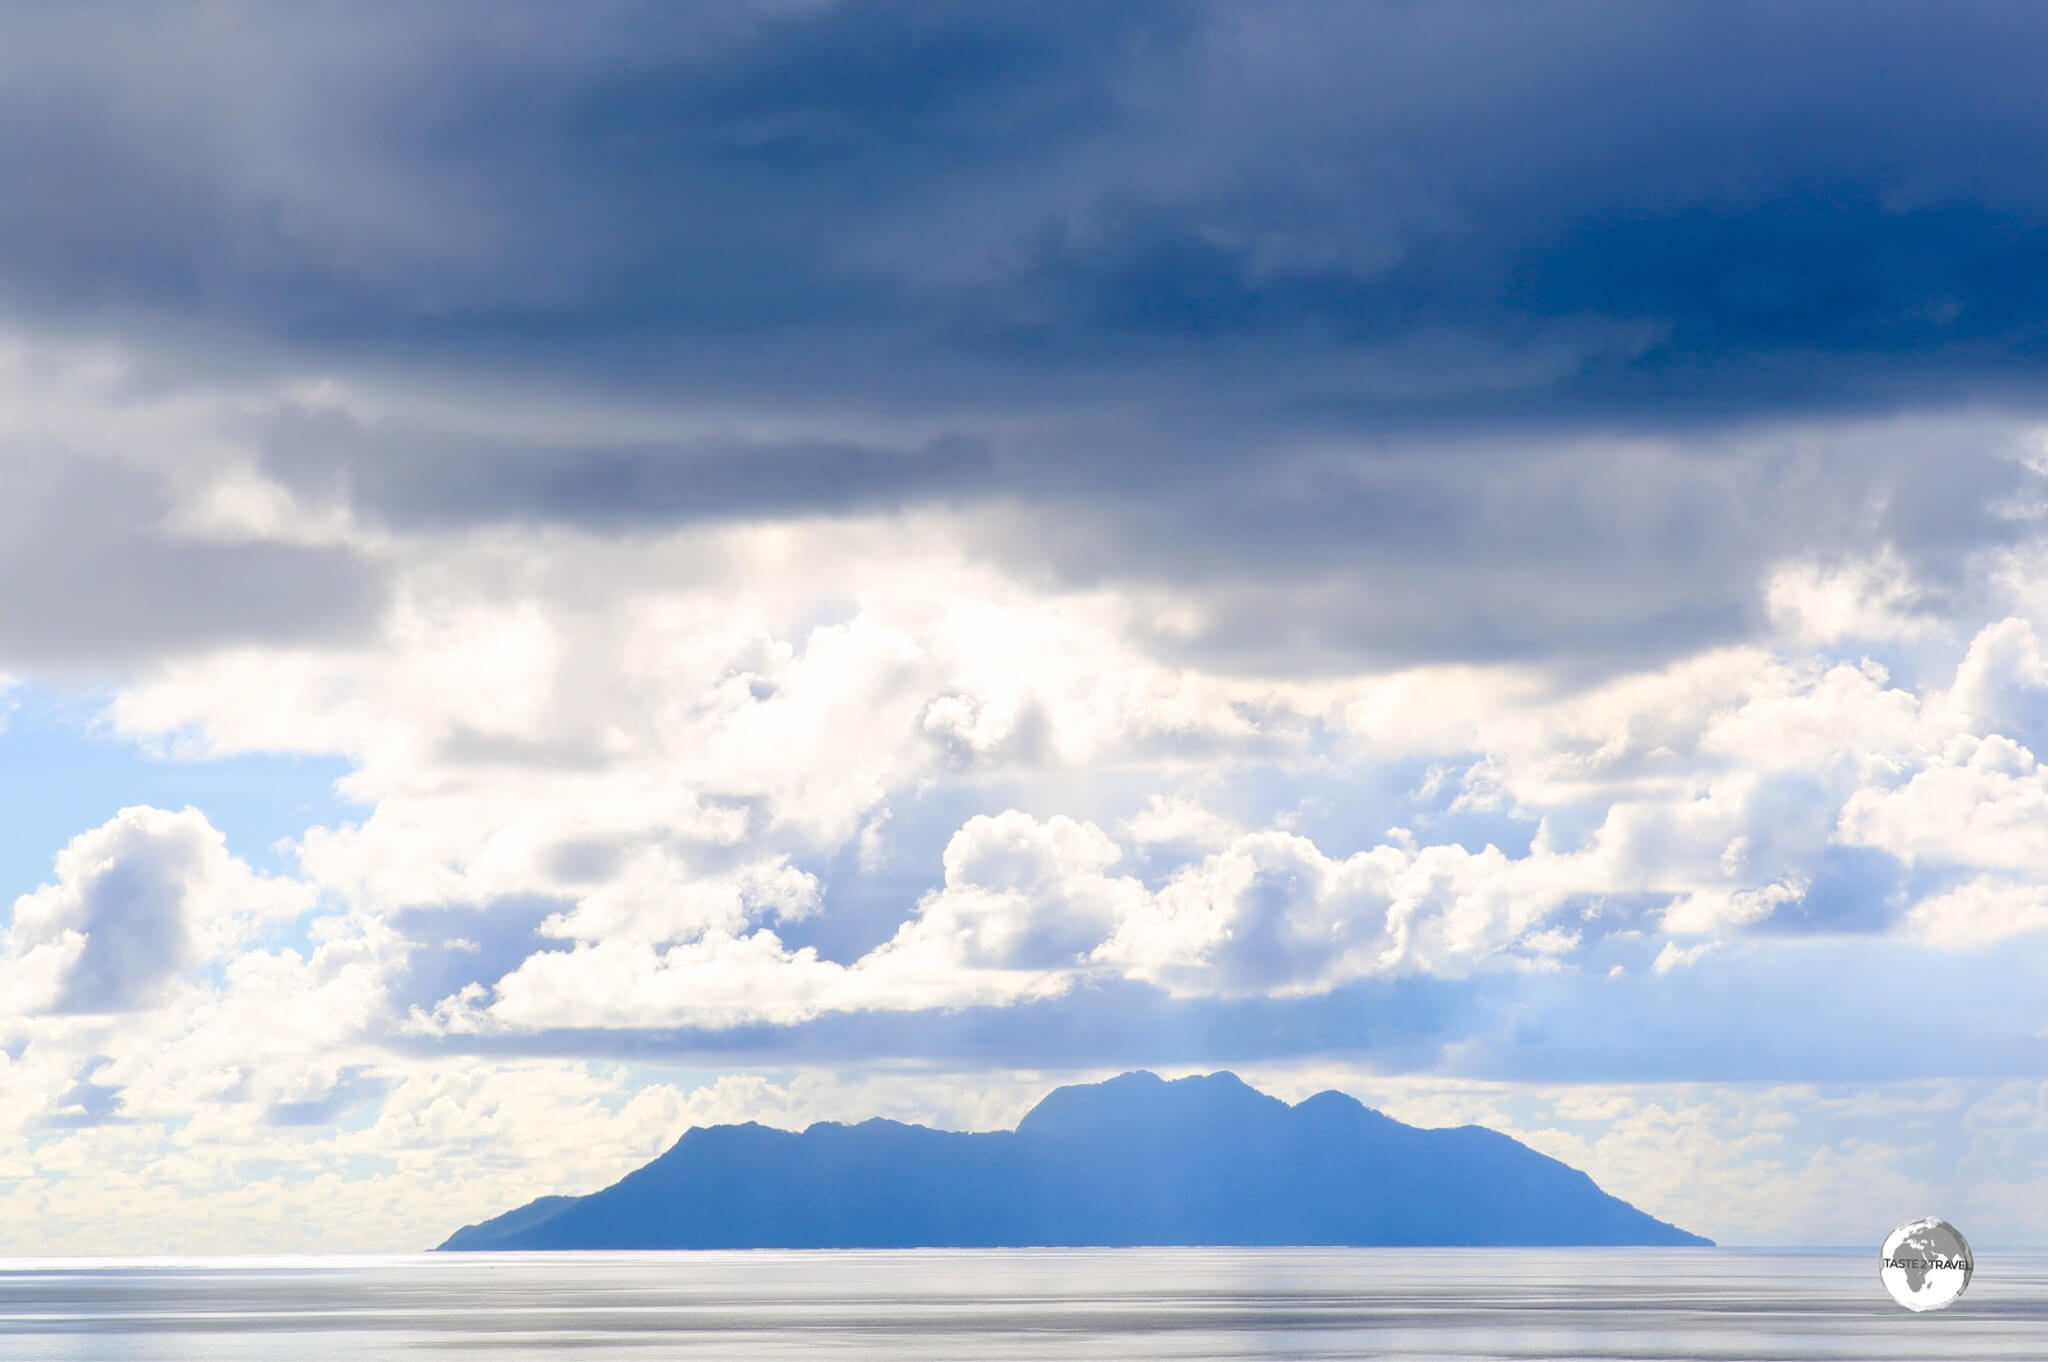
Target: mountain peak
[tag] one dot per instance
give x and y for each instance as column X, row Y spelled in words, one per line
column 1142, row 1097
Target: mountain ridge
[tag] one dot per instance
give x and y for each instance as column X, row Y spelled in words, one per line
column 1135, row 1160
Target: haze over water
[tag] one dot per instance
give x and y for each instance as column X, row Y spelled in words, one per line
column 1015, row 1305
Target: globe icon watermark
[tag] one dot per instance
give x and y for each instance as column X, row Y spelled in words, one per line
column 1925, row 1264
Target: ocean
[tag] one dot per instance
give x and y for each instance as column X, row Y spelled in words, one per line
column 1046, row 1305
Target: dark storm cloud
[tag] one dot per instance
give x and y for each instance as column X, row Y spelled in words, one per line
column 1439, row 214
column 414, row 476
column 1597, row 552
column 93, row 576
column 1305, row 305
column 626, row 179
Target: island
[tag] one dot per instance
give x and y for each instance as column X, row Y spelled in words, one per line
column 1135, row 1160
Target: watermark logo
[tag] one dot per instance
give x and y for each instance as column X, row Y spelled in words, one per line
column 1925, row 1264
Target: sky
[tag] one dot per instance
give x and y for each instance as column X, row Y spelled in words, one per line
column 577, row 571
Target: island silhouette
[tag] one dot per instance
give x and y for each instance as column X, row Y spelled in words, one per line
column 1135, row 1160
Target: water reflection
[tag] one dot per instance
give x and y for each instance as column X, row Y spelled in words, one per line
column 1050, row 1305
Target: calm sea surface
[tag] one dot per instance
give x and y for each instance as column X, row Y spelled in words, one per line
column 1056, row 1305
